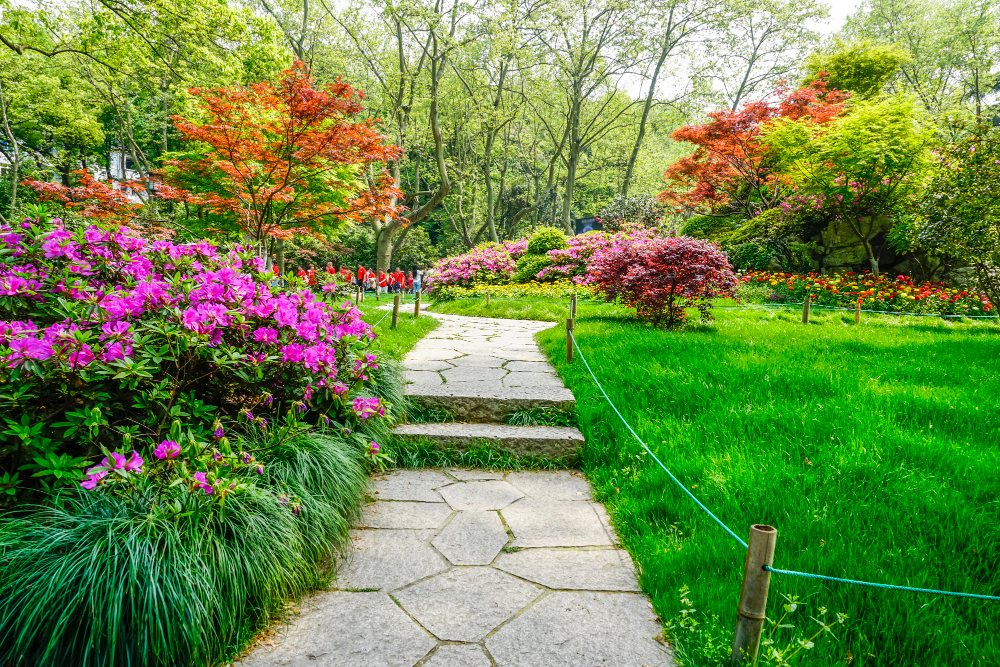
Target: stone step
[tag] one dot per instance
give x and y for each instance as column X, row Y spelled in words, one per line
column 547, row 441
column 485, row 405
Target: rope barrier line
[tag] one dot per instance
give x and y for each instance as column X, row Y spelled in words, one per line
column 382, row 320
column 649, row 451
column 871, row 584
column 793, row 573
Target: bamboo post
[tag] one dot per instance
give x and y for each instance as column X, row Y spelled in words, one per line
column 569, row 340
column 805, row 309
column 572, row 306
column 487, row 299
column 416, row 306
column 395, row 311
column 750, row 613
column 857, row 313
column 361, row 291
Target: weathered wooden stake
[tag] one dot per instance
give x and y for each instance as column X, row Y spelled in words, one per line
column 751, row 612
column 487, row 298
column 361, row 291
column 572, row 306
column 395, row 311
column 805, row 309
column 857, row 313
column 416, row 306
column 569, row 340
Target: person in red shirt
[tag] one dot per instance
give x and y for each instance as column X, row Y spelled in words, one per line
column 362, row 274
column 409, row 282
column 382, row 282
column 330, row 269
column 312, row 274
column 301, row 273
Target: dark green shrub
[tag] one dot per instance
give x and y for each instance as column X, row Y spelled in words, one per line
column 710, row 227
column 529, row 266
column 545, row 239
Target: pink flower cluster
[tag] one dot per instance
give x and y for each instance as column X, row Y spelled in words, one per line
column 575, row 259
column 489, row 262
column 122, row 282
column 97, row 473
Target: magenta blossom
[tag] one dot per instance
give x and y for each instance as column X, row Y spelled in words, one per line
column 203, row 483
column 167, row 449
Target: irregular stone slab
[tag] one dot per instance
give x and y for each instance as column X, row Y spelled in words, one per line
column 486, row 495
column 424, row 377
column 404, row 515
column 591, row 570
column 464, row 604
column 529, row 367
column 551, row 485
column 428, row 354
column 347, row 630
column 532, row 380
column 478, row 361
column 472, row 373
column 548, row 441
column 426, row 365
column 388, row 559
column 458, row 655
column 489, row 405
column 583, row 630
column 472, row 538
column 472, row 474
column 519, row 355
column 411, row 485
column 547, row 523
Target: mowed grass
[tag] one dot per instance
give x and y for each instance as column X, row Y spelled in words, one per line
column 873, row 449
column 396, row 342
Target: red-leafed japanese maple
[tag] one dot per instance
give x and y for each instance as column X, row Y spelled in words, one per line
column 90, row 197
column 663, row 276
column 282, row 157
column 729, row 168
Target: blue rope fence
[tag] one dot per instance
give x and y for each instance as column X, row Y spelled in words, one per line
column 736, row 537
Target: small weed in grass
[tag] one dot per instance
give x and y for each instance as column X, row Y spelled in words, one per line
column 542, row 417
column 510, row 550
column 426, row 454
column 358, row 590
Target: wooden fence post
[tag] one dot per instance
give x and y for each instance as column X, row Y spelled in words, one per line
column 416, row 306
column 572, row 306
column 487, row 299
column 805, row 309
column 750, row 614
column 857, row 313
column 395, row 311
column 569, row 340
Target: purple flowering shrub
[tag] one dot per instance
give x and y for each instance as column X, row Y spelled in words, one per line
column 106, row 338
column 574, row 261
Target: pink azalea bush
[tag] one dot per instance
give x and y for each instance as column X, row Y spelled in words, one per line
column 106, row 337
column 574, row 261
column 490, row 263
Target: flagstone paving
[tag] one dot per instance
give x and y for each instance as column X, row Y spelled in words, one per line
column 455, row 589
column 479, row 568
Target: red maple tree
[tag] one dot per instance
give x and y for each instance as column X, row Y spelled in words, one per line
column 729, row 168
column 90, row 197
column 282, row 158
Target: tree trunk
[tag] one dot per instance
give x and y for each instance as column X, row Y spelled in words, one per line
column 627, row 181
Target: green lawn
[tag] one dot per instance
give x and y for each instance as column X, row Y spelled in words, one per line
column 873, row 449
column 396, row 342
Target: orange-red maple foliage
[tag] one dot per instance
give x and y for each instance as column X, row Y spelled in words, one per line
column 90, row 197
column 729, row 168
column 284, row 157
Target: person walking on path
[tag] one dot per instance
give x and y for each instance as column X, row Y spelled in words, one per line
column 417, row 277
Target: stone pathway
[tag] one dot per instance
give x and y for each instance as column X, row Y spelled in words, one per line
column 470, row 568
column 473, row 568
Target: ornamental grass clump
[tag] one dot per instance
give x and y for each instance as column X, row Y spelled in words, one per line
column 662, row 276
column 129, row 575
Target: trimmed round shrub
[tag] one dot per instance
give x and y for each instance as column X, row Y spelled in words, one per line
column 529, row 266
column 545, row 239
column 662, row 276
